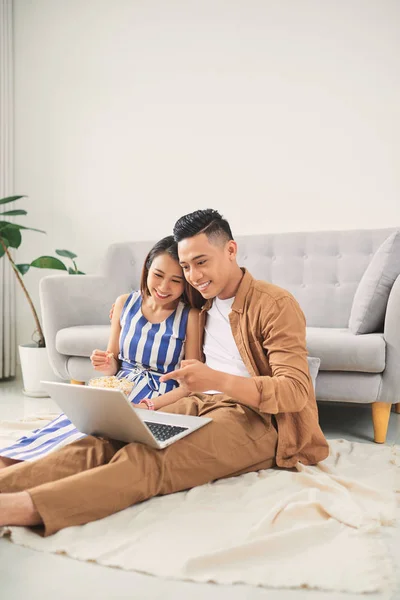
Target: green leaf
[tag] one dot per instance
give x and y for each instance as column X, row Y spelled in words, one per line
column 30, row 228
column 66, row 253
column 4, row 241
column 48, row 262
column 12, row 235
column 23, row 268
column 10, row 199
column 7, row 223
column 14, row 213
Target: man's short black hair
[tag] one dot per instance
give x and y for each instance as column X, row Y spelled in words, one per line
column 208, row 221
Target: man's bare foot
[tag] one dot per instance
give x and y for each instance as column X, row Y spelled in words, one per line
column 7, row 462
column 18, row 509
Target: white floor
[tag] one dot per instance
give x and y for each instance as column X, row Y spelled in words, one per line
column 26, row 574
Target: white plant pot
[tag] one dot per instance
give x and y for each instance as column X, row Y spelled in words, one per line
column 35, row 367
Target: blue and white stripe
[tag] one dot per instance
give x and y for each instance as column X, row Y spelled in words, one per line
column 147, row 351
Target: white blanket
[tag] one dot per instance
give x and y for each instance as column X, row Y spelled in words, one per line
column 327, row 527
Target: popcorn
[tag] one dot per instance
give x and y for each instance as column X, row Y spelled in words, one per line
column 112, row 382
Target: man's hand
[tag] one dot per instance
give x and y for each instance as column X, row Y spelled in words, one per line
column 195, row 376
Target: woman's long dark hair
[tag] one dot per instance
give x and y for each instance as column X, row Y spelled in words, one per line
column 167, row 245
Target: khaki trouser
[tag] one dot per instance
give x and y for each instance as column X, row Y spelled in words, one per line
column 93, row 478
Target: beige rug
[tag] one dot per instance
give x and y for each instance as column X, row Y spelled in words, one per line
column 326, row 527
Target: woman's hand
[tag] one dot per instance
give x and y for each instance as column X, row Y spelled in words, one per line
column 104, row 361
column 143, row 405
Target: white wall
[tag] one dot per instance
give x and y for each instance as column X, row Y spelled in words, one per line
column 282, row 114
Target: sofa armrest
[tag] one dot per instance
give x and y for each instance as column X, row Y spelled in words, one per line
column 68, row 300
column 390, row 389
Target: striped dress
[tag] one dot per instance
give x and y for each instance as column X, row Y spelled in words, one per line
column 147, row 351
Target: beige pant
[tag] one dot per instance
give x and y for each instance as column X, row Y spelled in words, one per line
column 93, row 478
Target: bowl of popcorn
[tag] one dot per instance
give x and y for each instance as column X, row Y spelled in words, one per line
column 112, row 382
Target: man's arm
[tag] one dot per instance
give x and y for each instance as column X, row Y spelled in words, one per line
column 287, row 390
column 284, row 341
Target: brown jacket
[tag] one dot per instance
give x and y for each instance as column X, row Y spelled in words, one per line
column 269, row 329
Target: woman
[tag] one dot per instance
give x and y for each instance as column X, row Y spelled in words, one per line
column 151, row 331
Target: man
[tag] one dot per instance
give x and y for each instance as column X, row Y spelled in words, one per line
column 255, row 385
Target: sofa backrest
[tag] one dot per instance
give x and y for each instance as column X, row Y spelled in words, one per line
column 321, row 269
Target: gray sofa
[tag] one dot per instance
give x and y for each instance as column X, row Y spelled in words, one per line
column 323, row 270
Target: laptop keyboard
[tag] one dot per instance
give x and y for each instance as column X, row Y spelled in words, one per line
column 164, row 432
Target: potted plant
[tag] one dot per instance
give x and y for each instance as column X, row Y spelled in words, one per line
column 34, row 361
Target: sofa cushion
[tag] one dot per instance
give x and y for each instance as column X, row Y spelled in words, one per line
column 342, row 350
column 336, row 386
column 82, row 340
column 338, row 349
column 371, row 297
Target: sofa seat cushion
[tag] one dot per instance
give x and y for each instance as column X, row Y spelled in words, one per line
column 342, row 350
column 338, row 349
column 82, row 340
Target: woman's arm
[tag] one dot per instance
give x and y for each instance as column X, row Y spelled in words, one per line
column 192, row 345
column 168, row 398
column 102, row 360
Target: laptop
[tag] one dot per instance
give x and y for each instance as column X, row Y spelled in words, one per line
column 107, row 412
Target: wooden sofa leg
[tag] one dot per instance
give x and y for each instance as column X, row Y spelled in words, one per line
column 380, row 420
column 76, row 382
column 397, row 408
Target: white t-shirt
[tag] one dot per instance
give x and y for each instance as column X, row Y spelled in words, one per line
column 219, row 345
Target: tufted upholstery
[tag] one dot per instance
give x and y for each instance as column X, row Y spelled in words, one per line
column 321, row 269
